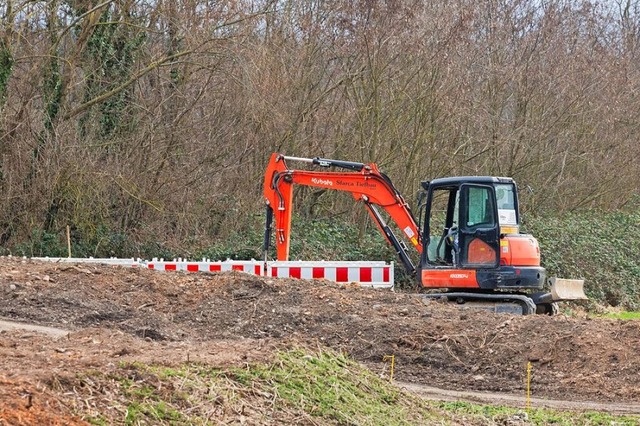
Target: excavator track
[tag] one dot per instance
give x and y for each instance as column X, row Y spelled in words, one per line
column 525, row 303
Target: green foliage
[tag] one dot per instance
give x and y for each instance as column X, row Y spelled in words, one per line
column 311, row 239
column 600, row 247
column 151, row 249
column 110, row 54
column 244, row 243
column 41, row 243
column 52, row 93
column 6, row 67
column 326, row 239
column 88, row 242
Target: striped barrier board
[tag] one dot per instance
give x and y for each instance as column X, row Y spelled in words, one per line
column 370, row 274
column 249, row 266
column 101, row 260
column 376, row 274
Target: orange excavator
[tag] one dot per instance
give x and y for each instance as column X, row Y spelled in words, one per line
column 470, row 244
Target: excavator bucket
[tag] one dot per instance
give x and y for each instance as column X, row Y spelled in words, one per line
column 567, row 289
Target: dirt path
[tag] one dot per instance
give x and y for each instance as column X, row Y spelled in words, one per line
column 506, row 399
column 49, row 331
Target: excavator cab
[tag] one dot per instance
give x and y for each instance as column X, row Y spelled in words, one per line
column 471, row 223
column 462, row 226
column 473, row 248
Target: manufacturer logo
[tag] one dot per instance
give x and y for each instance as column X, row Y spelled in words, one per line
column 459, row 276
column 326, row 182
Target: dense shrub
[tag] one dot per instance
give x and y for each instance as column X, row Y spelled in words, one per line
column 311, row 239
column 603, row 248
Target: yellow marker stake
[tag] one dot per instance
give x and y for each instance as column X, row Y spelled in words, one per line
column 393, row 361
column 528, row 385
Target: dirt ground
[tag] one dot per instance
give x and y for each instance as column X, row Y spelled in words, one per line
column 117, row 313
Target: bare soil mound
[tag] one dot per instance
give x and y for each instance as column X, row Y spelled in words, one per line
column 126, row 313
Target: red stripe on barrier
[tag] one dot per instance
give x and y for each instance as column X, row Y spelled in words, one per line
column 257, row 270
column 192, row 268
column 274, row 272
column 342, row 275
column 385, row 274
column 215, row 268
column 294, row 272
column 237, row 268
column 150, row 266
column 318, row 273
column 365, row 275
column 170, row 267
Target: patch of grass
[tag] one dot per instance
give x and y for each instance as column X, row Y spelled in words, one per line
column 98, row 421
column 298, row 384
column 312, row 387
column 142, row 391
column 168, row 372
column 624, row 315
column 508, row 415
column 330, row 386
column 157, row 413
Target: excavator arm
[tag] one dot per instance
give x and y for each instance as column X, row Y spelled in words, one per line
column 364, row 181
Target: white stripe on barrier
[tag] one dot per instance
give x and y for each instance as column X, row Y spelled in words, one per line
column 330, row 274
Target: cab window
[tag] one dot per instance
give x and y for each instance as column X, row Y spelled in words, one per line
column 481, row 210
column 506, row 200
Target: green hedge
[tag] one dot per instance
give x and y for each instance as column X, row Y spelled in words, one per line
column 318, row 239
column 603, row 248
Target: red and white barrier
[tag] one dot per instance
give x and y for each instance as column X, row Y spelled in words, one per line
column 249, row 266
column 370, row 274
column 101, row 260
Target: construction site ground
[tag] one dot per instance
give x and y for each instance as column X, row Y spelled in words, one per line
column 78, row 317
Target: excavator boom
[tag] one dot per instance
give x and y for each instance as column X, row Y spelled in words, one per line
column 364, row 182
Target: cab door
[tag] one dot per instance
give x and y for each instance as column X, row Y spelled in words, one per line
column 478, row 227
